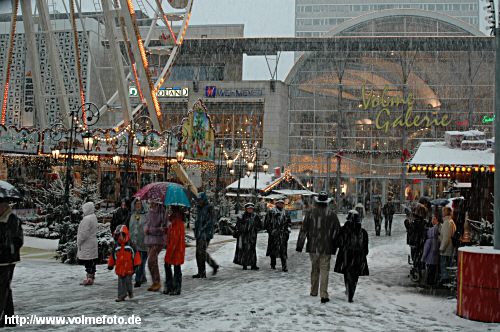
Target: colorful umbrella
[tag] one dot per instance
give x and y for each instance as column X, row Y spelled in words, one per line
column 168, row 192
column 176, row 195
column 153, row 191
column 9, row 192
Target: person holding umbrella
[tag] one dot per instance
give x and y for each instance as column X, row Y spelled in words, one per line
column 11, row 241
column 175, row 250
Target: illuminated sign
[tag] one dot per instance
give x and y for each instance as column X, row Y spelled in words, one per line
column 175, row 92
column 383, row 119
column 213, row 92
column 488, row 119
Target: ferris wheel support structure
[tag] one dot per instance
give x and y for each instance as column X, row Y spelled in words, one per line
column 54, row 62
column 141, row 64
column 117, row 64
column 40, row 114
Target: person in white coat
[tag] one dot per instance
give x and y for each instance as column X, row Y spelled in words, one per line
column 87, row 242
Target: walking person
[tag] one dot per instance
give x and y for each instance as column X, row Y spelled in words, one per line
column 353, row 249
column 388, row 211
column 278, row 224
column 247, row 227
column 136, row 228
column 175, row 251
column 377, row 216
column 86, row 241
column 431, row 253
column 125, row 259
column 204, row 232
column 154, row 232
column 446, row 248
column 121, row 216
column 321, row 227
column 11, row 241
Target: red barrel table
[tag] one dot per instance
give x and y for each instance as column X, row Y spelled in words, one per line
column 478, row 284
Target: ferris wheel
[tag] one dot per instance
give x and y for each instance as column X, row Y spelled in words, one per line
column 133, row 31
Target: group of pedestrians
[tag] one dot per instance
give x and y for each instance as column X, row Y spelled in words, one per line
column 140, row 234
column 321, row 228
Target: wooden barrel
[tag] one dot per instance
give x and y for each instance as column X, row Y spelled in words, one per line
column 478, row 284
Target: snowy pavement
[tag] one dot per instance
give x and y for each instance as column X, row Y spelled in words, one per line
column 235, row 300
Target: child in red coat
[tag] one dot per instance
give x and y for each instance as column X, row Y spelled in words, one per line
column 176, row 248
column 125, row 259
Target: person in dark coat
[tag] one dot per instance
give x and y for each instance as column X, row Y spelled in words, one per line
column 278, row 224
column 353, row 249
column 247, row 227
column 388, row 211
column 377, row 216
column 204, row 232
column 320, row 227
column 11, row 241
column 121, row 216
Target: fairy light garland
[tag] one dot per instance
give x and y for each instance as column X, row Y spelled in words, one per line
column 9, row 60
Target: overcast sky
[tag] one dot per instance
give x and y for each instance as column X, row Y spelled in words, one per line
column 261, row 18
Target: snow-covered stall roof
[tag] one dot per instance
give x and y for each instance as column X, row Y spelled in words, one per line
column 263, row 180
column 291, row 192
column 432, row 153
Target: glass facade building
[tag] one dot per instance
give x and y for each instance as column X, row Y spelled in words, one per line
column 377, row 107
column 313, row 18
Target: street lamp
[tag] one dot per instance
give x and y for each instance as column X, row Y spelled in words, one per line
column 231, row 171
column 265, row 167
column 116, row 159
column 143, row 149
column 180, row 154
column 88, row 142
column 250, row 166
column 230, row 163
column 55, row 153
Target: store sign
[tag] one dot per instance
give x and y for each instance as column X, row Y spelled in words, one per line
column 488, row 119
column 175, row 92
column 386, row 104
column 215, row 92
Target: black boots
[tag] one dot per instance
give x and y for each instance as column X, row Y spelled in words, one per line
column 200, row 275
column 325, row 300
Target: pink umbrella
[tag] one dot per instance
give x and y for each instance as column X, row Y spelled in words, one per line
column 153, row 191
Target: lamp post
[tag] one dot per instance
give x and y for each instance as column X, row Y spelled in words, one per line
column 89, row 114
column 217, row 177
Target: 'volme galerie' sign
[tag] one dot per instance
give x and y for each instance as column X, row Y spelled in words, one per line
column 385, row 121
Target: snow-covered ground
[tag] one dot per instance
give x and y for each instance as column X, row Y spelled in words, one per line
column 235, row 300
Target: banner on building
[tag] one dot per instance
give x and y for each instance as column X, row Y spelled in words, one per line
column 198, row 134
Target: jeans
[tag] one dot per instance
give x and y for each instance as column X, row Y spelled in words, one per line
column 124, row 286
column 140, row 272
column 6, row 302
column 388, row 224
column 153, row 252
column 173, row 282
column 320, row 270
column 203, row 256
column 444, row 263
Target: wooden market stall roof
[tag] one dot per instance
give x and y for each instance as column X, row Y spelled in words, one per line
column 439, row 153
column 286, row 181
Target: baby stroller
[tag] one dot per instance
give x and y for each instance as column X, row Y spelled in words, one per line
column 415, row 224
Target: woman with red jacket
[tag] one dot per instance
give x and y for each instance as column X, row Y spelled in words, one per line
column 125, row 259
column 176, row 248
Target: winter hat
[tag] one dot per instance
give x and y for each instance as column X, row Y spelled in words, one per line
column 249, row 205
column 322, row 198
column 280, row 201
